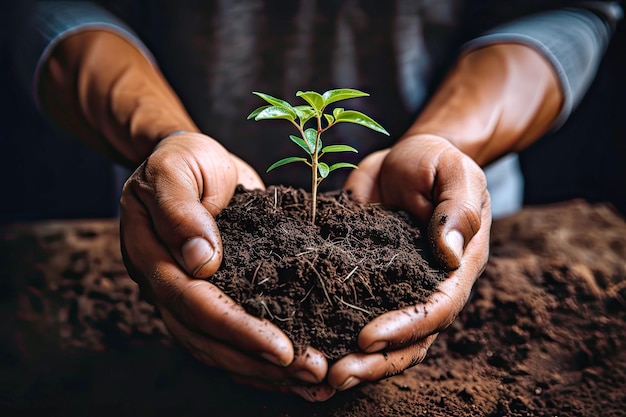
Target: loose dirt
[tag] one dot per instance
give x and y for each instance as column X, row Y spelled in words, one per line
column 321, row 283
column 544, row 333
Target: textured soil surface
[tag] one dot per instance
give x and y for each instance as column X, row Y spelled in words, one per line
column 544, row 333
column 321, row 283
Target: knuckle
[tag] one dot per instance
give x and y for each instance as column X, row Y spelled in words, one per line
column 471, row 215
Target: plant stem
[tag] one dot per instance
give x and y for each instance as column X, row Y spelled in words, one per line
column 314, row 162
column 313, row 187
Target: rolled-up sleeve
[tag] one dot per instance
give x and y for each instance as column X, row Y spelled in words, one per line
column 50, row 23
column 572, row 39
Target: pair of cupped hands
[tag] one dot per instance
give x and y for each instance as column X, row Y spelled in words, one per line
column 171, row 244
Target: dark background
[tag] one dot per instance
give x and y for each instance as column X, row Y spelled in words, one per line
column 45, row 174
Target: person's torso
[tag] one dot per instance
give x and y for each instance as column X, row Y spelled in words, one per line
column 216, row 53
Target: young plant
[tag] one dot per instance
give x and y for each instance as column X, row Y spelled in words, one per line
column 310, row 139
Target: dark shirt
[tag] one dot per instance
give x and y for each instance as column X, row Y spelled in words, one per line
column 215, row 53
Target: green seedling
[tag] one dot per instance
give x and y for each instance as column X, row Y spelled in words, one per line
column 310, row 139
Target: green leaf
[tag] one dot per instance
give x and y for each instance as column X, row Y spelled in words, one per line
column 285, row 161
column 276, row 112
column 323, row 169
column 256, row 112
column 310, row 137
column 337, row 111
column 353, row 116
column 301, row 143
column 330, row 119
column 342, row 165
column 314, row 99
column 338, row 148
column 304, row 113
column 332, row 96
column 272, row 100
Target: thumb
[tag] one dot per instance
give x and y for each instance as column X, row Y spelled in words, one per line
column 448, row 236
column 460, row 203
column 187, row 181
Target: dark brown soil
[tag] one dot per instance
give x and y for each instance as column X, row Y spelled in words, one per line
column 321, row 283
column 544, row 333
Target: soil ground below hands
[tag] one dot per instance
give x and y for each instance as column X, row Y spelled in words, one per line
column 544, row 333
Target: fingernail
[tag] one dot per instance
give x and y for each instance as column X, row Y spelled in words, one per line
column 197, row 252
column 273, row 359
column 349, row 383
column 306, row 376
column 455, row 242
column 376, row 346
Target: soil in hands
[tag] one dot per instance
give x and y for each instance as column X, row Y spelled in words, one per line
column 321, row 283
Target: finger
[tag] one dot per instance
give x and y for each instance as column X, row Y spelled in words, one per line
column 408, row 174
column 311, row 393
column 197, row 303
column 186, row 181
column 247, row 176
column 366, row 367
column 461, row 208
column 308, row 368
column 438, row 184
column 206, row 309
column 363, row 182
column 316, row 393
column 399, row 327
column 405, row 326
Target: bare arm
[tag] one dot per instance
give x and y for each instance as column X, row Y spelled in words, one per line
column 497, row 99
column 104, row 89
column 100, row 87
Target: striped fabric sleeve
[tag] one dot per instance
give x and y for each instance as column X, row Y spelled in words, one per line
column 53, row 21
column 572, row 39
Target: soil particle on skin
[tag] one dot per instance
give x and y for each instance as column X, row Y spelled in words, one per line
column 544, row 333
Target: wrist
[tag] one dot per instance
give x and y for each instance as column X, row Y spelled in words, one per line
column 145, row 111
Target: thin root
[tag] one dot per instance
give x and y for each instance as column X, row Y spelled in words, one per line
column 350, row 274
column 321, row 280
column 391, row 261
column 353, row 306
column 267, row 310
column 307, row 294
column 255, row 272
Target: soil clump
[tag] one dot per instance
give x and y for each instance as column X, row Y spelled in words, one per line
column 321, row 283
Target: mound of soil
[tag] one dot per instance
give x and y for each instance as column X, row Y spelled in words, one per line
column 321, row 283
column 544, row 333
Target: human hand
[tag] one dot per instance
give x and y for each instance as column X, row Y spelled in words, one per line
column 430, row 178
column 170, row 243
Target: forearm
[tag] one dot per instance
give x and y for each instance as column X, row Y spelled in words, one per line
column 100, row 87
column 497, row 99
column 520, row 79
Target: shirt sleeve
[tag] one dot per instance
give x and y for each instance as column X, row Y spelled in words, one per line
column 53, row 21
column 573, row 39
